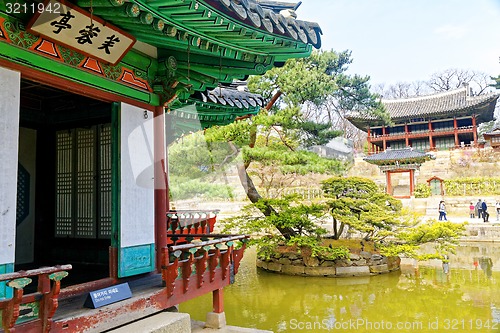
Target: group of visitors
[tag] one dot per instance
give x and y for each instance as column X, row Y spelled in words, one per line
column 480, row 209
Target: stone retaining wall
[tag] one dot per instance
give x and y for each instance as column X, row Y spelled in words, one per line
column 362, row 264
column 484, row 232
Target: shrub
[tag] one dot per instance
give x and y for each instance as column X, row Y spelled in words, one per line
column 472, row 186
column 422, row 191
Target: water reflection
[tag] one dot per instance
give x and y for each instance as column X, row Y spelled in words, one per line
column 462, row 296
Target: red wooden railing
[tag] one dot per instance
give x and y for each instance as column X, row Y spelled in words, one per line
column 194, row 262
column 185, row 222
column 49, row 285
column 214, row 259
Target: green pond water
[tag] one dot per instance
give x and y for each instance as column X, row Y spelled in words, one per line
column 465, row 298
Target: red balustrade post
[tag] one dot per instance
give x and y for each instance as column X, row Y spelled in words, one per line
column 218, row 300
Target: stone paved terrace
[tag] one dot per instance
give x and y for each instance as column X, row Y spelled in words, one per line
column 198, row 327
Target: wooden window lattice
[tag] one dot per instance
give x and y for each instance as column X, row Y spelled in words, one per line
column 83, row 183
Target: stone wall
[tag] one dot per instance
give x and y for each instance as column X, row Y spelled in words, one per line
column 362, row 264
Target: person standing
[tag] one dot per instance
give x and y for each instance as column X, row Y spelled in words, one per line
column 479, row 209
column 484, row 208
column 442, row 211
column 497, row 206
column 472, row 210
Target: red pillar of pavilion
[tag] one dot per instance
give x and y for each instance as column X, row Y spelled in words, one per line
column 474, row 129
column 431, row 144
column 455, row 130
column 160, row 181
column 388, row 181
column 369, row 139
column 384, row 139
column 407, row 139
column 412, row 181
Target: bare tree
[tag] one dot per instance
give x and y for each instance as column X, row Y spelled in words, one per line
column 402, row 89
column 454, row 78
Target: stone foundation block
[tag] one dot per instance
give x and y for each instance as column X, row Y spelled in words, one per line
column 261, row 264
column 292, row 270
column 215, row 320
column 285, row 261
column 378, row 269
column 353, row 271
column 273, row 266
column 320, row 271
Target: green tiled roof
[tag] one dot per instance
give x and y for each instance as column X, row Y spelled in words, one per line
column 399, row 156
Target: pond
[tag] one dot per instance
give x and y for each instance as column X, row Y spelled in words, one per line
column 464, row 297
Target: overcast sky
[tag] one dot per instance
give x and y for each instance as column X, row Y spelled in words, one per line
column 409, row 40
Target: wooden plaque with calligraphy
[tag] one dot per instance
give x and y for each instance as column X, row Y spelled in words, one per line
column 69, row 25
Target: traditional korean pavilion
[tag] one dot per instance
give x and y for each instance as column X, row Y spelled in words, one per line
column 91, row 91
column 218, row 106
column 493, row 137
column 406, row 160
column 445, row 120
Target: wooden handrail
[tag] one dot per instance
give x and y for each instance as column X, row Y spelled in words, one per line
column 218, row 240
column 192, row 211
column 34, row 272
column 49, row 286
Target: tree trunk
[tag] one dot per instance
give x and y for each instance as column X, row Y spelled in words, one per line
column 254, row 196
column 247, row 183
column 337, row 231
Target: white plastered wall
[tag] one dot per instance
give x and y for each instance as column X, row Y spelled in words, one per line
column 137, row 177
column 10, row 84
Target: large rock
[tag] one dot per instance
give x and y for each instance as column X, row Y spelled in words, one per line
column 378, row 269
column 393, row 263
column 360, row 262
column 261, row 264
column 311, row 261
column 273, row 266
column 292, row 256
column 327, row 263
column 285, row 261
column 354, row 256
column 365, row 254
column 343, row 262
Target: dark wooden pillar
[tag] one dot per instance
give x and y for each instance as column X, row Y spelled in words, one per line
column 160, row 181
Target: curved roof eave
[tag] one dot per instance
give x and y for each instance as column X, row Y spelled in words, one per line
column 449, row 103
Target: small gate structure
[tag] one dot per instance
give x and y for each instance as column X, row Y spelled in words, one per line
column 437, row 185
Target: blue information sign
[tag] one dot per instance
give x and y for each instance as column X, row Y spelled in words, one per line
column 105, row 296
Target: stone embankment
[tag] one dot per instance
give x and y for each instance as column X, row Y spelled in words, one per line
column 362, row 264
